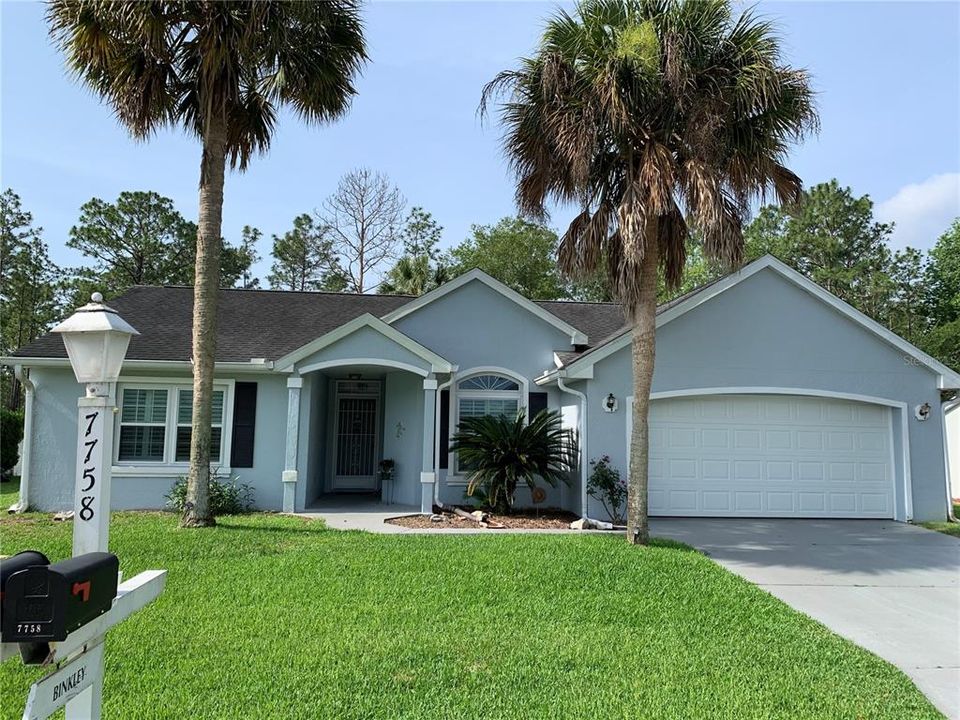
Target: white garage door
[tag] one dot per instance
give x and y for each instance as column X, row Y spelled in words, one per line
column 770, row 455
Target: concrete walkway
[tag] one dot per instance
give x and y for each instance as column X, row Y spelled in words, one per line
column 358, row 512
column 892, row 588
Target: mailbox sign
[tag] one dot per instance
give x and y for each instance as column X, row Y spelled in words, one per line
column 58, row 688
column 46, row 603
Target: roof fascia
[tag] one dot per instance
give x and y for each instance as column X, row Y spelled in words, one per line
column 254, row 365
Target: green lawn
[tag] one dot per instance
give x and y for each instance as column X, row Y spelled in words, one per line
column 948, row 528
column 9, row 493
column 276, row 617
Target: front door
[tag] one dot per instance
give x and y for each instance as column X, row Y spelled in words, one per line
column 356, row 439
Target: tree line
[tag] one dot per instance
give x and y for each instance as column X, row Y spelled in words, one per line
column 363, row 238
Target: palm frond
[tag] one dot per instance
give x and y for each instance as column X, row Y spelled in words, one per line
column 655, row 117
column 169, row 63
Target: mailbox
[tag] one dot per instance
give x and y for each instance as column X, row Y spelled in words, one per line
column 45, row 603
column 16, row 563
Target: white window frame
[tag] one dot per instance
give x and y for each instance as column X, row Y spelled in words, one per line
column 169, row 465
column 455, row 476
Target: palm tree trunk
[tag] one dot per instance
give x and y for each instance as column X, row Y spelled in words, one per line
column 205, row 289
column 643, row 353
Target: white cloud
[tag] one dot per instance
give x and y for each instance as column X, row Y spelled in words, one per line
column 922, row 211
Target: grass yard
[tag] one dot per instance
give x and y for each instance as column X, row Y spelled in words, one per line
column 948, row 528
column 9, row 493
column 276, row 617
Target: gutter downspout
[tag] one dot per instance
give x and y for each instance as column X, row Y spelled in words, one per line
column 583, row 443
column 28, row 390
column 436, row 444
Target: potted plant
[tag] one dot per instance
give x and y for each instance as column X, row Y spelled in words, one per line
column 385, row 473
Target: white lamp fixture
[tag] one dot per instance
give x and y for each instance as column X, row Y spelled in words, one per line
column 96, row 338
column 610, row 403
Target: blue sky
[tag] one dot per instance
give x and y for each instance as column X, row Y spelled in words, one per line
column 887, row 74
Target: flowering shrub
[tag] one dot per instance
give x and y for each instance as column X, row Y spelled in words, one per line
column 605, row 485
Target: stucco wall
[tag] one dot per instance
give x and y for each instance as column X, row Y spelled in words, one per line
column 402, row 433
column 767, row 332
column 54, row 447
column 474, row 326
column 53, row 460
column 364, row 343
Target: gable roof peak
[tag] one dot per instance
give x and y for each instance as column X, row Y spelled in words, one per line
column 948, row 378
column 577, row 337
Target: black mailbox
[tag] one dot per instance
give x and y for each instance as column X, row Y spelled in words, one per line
column 15, row 563
column 45, row 603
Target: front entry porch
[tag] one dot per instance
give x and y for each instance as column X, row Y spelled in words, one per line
column 360, row 396
column 350, row 422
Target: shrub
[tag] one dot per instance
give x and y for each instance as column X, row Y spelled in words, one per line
column 502, row 452
column 605, row 485
column 227, row 496
column 11, row 433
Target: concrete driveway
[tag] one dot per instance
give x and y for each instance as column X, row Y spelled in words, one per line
column 892, row 588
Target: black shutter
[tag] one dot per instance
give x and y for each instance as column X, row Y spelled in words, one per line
column 537, row 401
column 244, row 422
column 444, row 429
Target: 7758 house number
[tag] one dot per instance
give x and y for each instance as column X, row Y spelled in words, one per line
column 29, row 628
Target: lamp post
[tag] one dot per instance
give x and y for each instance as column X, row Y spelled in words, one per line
column 96, row 338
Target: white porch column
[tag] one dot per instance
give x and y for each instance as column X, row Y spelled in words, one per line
column 428, row 476
column 293, row 434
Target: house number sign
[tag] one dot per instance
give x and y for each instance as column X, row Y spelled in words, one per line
column 89, row 468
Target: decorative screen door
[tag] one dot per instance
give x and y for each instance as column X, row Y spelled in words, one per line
column 356, row 440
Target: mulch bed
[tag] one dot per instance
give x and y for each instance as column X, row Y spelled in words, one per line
column 545, row 519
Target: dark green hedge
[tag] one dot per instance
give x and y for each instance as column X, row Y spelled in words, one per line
column 11, row 432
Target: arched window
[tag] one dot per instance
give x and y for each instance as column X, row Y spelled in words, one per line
column 482, row 395
column 487, row 394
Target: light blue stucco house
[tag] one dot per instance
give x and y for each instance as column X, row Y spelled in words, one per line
column 772, row 398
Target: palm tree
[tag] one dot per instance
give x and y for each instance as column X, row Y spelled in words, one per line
column 414, row 275
column 500, row 452
column 221, row 71
column 649, row 115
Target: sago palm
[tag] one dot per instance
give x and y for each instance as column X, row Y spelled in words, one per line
column 500, row 452
column 649, row 115
column 221, row 71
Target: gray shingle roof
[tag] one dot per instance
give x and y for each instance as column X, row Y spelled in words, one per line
column 597, row 320
column 269, row 324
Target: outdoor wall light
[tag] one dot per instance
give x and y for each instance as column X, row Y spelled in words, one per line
column 610, row 403
column 922, row 412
